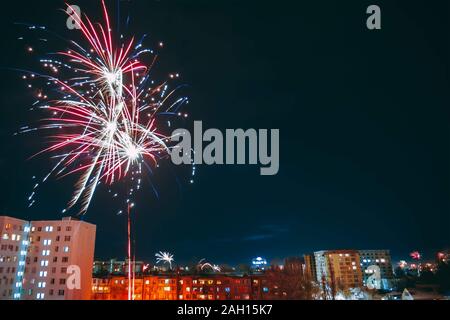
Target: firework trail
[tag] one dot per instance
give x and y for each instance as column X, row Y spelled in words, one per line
column 202, row 265
column 164, row 257
column 104, row 121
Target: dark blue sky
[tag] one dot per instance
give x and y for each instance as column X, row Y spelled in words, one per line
column 363, row 118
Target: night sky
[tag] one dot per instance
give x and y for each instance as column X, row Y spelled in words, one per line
column 363, row 118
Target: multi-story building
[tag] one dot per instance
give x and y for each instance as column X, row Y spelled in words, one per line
column 53, row 260
column 373, row 260
column 180, row 287
column 116, row 267
column 13, row 252
column 310, row 271
column 338, row 269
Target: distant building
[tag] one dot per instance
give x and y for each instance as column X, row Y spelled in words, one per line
column 294, row 265
column 310, row 270
column 259, row 264
column 116, row 267
column 38, row 259
column 338, row 269
column 370, row 261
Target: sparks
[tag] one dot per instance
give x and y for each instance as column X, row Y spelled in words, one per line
column 164, row 257
column 106, row 116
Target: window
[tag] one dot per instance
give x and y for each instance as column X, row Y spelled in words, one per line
column 60, row 292
column 55, row 259
column 47, row 242
column 66, row 249
column 40, row 296
column 62, row 281
column 57, row 238
column 58, row 229
column 65, row 259
column 5, row 236
column 67, row 238
column 39, row 229
column 68, row 228
column 63, row 270
column 48, row 228
column 44, row 263
column 45, row 252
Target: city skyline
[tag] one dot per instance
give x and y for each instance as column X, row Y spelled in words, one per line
column 363, row 136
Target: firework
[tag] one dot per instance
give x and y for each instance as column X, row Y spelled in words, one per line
column 415, row 255
column 203, row 265
column 104, row 123
column 164, row 257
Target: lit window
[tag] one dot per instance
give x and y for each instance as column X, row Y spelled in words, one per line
column 166, row 288
column 5, row 236
column 66, row 249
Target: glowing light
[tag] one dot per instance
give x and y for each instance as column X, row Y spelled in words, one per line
column 164, row 257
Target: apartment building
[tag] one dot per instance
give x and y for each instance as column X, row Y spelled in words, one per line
column 338, row 269
column 47, row 260
column 370, row 260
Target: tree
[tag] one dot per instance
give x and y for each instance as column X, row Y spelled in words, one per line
column 287, row 285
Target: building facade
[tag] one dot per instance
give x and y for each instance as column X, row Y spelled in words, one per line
column 373, row 261
column 338, row 269
column 183, row 287
column 13, row 252
column 50, row 260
